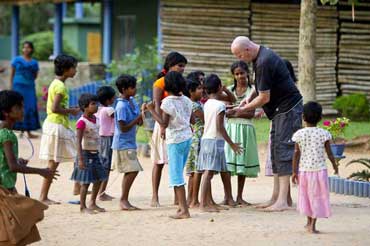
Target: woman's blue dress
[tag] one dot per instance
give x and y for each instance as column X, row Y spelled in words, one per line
column 24, row 83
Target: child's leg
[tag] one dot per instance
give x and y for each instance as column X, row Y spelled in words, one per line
column 102, row 195
column 156, row 180
column 46, row 185
column 308, row 224
column 239, row 199
column 206, row 196
column 76, row 188
column 127, row 181
column 196, row 185
column 226, row 180
column 94, row 194
column 190, row 188
column 83, row 194
column 312, row 227
column 183, row 212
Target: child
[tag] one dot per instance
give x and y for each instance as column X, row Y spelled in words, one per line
column 212, row 155
column 194, row 91
column 198, row 76
column 57, row 141
column 311, row 143
column 126, row 117
column 241, row 130
column 88, row 168
column 174, row 62
column 177, row 112
column 22, row 213
column 105, row 115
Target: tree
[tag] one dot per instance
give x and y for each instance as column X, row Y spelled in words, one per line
column 307, row 49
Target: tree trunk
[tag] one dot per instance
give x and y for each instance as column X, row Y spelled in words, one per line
column 307, row 47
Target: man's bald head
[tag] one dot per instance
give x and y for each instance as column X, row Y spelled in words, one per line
column 244, row 49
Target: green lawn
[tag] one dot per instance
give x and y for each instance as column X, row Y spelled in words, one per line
column 263, row 128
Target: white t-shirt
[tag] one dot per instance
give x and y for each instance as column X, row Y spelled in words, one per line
column 212, row 108
column 179, row 108
column 311, row 141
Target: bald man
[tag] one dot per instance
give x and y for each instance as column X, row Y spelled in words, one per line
column 277, row 94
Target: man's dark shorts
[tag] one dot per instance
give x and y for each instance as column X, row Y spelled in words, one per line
column 282, row 147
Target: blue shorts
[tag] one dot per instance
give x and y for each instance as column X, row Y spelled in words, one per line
column 177, row 157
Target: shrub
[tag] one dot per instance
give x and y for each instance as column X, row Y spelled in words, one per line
column 44, row 43
column 354, row 106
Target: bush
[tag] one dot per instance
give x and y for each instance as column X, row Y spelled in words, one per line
column 44, row 43
column 354, row 106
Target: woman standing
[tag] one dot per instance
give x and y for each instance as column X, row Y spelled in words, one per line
column 24, row 70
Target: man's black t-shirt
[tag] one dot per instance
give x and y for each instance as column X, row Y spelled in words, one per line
column 271, row 74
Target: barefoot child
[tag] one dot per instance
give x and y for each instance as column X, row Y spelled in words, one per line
column 126, row 117
column 241, row 130
column 212, row 155
column 177, row 112
column 105, row 115
column 88, row 168
column 18, row 214
column 57, row 141
column 311, row 143
column 174, row 62
column 194, row 91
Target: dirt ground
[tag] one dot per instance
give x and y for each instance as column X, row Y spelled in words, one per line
column 64, row 225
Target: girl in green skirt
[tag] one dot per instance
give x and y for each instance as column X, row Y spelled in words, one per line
column 241, row 130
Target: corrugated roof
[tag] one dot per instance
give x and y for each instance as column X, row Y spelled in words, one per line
column 19, row 2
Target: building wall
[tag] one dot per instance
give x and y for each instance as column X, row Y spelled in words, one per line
column 139, row 18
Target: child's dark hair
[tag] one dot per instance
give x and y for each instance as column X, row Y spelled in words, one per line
column 191, row 86
column 195, row 75
column 312, row 112
column 85, row 99
column 172, row 59
column 175, row 83
column 105, row 93
column 125, row 81
column 30, row 44
column 243, row 66
column 289, row 65
column 8, row 99
column 62, row 63
column 212, row 84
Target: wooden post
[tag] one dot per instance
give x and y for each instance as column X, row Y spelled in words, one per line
column 307, row 49
column 15, row 31
column 58, row 30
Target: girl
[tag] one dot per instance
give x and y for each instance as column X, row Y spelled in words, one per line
column 194, row 91
column 23, row 74
column 198, row 76
column 212, row 155
column 105, row 115
column 173, row 62
column 57, row 141
column 88, row 168
column 177, row 112
column 241, row 130
column 311, row 143
column 17, row 213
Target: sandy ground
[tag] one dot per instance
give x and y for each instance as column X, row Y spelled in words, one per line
column 64, row 225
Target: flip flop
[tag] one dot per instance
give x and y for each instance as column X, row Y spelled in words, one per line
column 74, row 202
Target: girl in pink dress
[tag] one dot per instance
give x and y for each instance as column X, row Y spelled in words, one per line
column 311, row 143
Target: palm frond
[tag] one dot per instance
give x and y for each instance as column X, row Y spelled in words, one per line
column 364, row 175
column 363, row 161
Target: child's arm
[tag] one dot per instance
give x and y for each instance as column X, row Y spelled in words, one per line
column 56, row 108
column 296, row 157
column 221, row 128
column 162, row 120
column 228, row 96
column 331, row 157
column 231, row 113
column 199, row 114
column 19, row 166
column 81, row 161
column 126, row 127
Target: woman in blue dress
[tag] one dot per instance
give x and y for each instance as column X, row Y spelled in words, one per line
column 24, row 70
